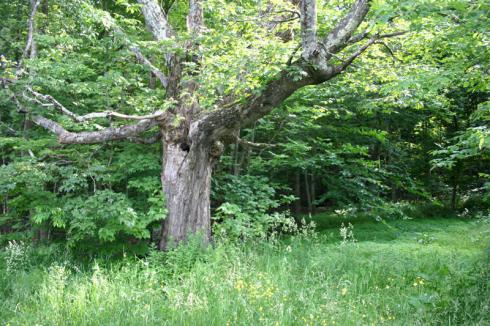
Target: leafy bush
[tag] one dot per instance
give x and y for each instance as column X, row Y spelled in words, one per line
column 250, row 209
column 102, row 218
column 22, row 183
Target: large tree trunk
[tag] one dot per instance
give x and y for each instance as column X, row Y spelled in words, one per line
column 186, row 179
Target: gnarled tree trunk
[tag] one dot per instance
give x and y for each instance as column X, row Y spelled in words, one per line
column 186, row 180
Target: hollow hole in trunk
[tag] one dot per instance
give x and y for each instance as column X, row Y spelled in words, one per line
column 185, row 147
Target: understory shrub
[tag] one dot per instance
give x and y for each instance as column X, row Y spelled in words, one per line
column 251, row 208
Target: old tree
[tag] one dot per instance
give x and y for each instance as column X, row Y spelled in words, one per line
column 196, row 123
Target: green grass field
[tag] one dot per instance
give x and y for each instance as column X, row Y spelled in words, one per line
column 411, row 272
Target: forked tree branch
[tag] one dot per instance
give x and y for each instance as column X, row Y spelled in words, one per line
column 374, row 40
column 91, row 137
column 338, row 38
column 314, row 69
column 221, row 122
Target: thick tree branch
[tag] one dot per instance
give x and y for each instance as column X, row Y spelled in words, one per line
column 312, row 70
column 223, row 122
column 92, row 137
column 338, row 38
column 308, row 28
column 156, row 20
column 195, row 18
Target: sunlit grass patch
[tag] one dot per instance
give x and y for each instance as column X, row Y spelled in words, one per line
column 393, row 279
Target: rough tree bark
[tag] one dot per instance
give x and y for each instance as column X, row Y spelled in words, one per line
column 192, row 147
column 186, row 179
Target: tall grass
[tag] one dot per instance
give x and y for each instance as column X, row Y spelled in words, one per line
column 418, row 272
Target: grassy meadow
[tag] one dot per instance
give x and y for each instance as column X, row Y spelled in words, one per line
column 405, row 272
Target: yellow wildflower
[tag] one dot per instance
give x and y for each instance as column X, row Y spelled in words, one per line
column 239, row 285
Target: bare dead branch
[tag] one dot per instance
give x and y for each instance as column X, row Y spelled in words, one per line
column 31, row 27
column 250, row 144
